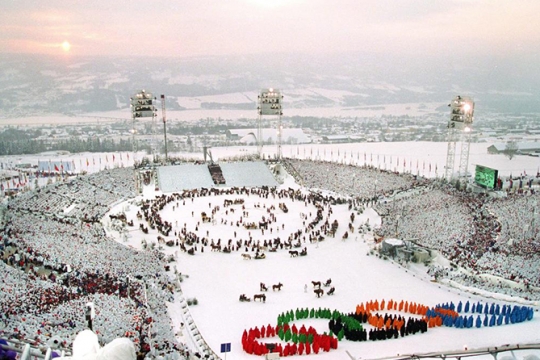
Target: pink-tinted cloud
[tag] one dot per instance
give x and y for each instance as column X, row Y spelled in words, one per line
column 209, row 27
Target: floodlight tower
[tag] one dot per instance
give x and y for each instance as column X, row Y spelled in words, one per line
column 269, row 103
column 142, row 106
column 459, row 129
column 164, row 124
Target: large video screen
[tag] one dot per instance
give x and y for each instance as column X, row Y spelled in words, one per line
column 486, row 177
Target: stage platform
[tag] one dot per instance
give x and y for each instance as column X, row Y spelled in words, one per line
column 190, row 176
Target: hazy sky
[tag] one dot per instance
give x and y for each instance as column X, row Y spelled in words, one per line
column 223, row 27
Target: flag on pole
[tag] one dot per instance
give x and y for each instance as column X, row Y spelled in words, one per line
column 56, row 168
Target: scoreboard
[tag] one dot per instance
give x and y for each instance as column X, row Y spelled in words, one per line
column 486, row 177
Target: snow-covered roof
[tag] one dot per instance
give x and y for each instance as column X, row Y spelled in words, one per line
column 247, row 174
column 522, row 146
column 184, row 177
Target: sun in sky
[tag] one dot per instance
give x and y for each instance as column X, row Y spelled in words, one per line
column 66, row 46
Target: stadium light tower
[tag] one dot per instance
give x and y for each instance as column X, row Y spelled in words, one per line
column 142, row 106
column 164, row 125
column 459, row 129
column 269, row 103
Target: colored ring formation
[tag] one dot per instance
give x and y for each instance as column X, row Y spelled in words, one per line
column 302, row 341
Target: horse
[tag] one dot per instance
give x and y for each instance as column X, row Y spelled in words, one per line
column 263, row 287
column 293, row 253
column 316, row 283
column 243, row 298
column 261, row 297
column 246, row 256
column 331, row 291
column 277, row 287
column 328, row 282
column 319, row 292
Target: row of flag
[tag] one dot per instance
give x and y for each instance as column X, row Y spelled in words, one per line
column 391, row 159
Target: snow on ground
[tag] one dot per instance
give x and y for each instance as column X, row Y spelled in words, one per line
column 194, row 113
column 217, row 279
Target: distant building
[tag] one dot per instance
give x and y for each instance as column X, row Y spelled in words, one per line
column 335, row 139
column 338, row 139
column 523, row 148
column 269, row 135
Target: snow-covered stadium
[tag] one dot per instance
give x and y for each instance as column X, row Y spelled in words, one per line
column 161, row 253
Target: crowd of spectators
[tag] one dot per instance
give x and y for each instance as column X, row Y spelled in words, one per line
column 363, row 182
column 496, row 237
column 57, row 258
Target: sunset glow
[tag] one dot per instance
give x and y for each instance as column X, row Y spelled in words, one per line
column 66, row 46
column 488, row 28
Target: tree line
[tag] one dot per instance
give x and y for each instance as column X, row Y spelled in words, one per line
column 74, row 145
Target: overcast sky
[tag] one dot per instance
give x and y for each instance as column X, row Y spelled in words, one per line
column 493, row 28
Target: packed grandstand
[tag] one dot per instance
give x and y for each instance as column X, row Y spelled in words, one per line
column 57, row 256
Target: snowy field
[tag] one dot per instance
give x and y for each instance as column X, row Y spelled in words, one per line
column 217, row 279
column 194, row 112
